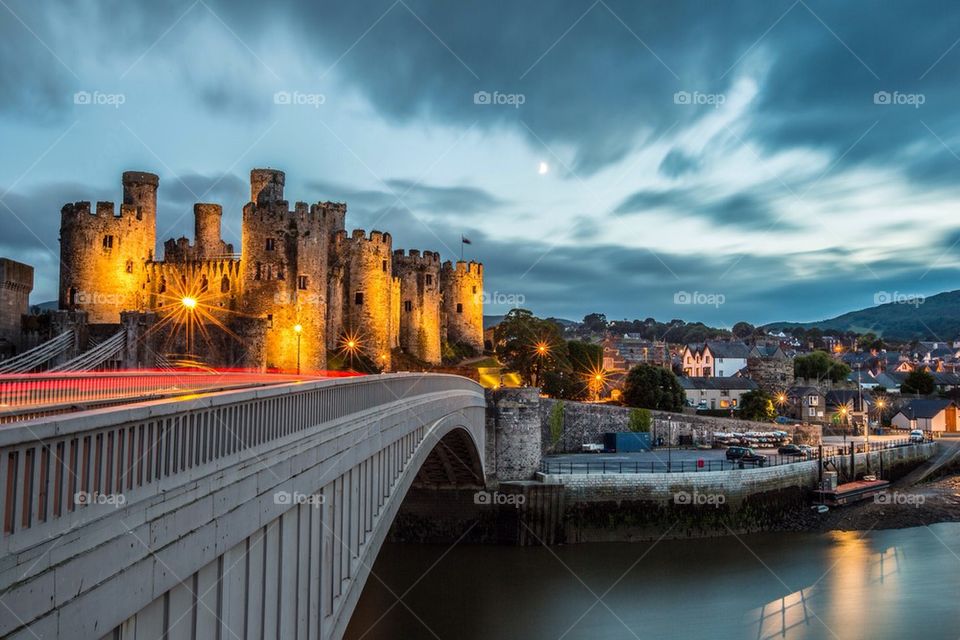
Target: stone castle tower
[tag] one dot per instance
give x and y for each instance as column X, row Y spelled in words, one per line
column 300, row 287
column 462, row 288
column 103, row 254
column 420, row 301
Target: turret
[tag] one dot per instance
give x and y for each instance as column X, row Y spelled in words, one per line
column 419, row 312
column 462, row 287
column 206, row 220
column 266, row 185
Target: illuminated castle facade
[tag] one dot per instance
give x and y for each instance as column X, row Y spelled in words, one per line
column 300, row 287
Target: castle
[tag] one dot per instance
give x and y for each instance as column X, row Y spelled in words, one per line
column 300, row 287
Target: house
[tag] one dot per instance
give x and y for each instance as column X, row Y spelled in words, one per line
column 928, row 414
column 716, row 393
column 714, row 359
column 634, row 350
column 807, row 404
column 848, row 406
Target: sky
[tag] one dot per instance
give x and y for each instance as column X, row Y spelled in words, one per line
column 712, row 161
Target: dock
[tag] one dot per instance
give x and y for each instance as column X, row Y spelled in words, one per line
column 850, row 492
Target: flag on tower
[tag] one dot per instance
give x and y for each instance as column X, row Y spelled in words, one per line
column 465, row 240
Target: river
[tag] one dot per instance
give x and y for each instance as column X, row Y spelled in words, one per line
column 899, row 583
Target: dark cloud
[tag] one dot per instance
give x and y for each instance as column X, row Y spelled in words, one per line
column 676, row 164
column 746, row 211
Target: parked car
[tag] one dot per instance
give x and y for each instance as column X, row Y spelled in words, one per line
column 591, row 447
column 916, row 436
column 735, row 453
column 790, row 450
column 808, row 451
column 754, row 458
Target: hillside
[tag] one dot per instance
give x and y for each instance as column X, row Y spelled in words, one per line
column 935, row 318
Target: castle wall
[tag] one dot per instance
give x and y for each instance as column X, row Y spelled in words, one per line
column 418, row 306
column 102, row 254
column 462, row 289
column 16, row 283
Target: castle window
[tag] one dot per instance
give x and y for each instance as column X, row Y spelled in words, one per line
column 203, row 284
column 270, row 321
column 271, row 244
column 258, row 273
column 429, row 279
column 474, row 288
column 108, row 242
column 225, row 285
column 129, row 266
column 358, row 298
column 163, row 284
column 459, row 307
column 301, row 282
column 407, row 305
column 383, row 265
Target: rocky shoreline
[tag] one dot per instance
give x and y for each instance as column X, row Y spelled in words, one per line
column 924, row 504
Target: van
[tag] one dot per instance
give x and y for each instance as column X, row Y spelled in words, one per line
column 916, row 436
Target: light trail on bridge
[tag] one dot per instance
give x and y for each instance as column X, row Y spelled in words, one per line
column 28, row 396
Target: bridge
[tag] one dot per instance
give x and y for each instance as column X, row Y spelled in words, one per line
column 250, row 512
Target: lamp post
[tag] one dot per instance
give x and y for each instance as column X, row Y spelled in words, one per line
column 189, row 303
column 298, row 329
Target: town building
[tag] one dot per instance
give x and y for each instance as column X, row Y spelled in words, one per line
column 712, row 392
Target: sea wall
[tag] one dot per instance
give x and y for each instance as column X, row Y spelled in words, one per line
column 585, row 422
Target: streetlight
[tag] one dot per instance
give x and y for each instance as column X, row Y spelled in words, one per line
column 189, row 304
column 298, row 329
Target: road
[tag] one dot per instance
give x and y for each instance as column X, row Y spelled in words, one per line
column 657, row 460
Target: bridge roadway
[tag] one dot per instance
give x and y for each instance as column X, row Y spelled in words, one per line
column 251, row 513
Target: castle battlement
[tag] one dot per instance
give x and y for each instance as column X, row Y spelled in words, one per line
column 414, row 257
column 463, row 267
column 375, row 237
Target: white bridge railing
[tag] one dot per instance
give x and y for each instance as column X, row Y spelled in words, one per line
column 46, row 464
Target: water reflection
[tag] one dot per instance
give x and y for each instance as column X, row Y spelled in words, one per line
column 883, row 584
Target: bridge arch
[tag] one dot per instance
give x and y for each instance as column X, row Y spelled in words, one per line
column 247, row 514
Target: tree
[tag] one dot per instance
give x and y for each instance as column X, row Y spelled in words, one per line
column 519, row 338
column 640, row 421
column 757, row 405
column 743, row 330
column 595, row 322
column 919, row 382
column 820, row 366
column 651, row 387
column 570, row 380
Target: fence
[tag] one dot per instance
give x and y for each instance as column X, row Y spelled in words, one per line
column 664, row 464
column 47, row 468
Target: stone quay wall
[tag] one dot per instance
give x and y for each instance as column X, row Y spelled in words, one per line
column 585, row 422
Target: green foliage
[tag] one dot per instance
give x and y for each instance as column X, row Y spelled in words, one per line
column 454, row 352
column 651, row 387
column 743, row 330
column 757, row 405
column 595, row 322
column 517, row 338
column 820, row 366
column 920, row 382
column 640, row 421
column 556, row 423
column 676, row 331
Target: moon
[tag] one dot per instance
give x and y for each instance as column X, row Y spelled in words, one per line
column 543, row 168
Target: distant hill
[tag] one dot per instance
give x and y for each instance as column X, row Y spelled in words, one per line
column 933, row 318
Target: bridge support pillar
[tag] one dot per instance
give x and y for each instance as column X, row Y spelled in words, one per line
column 514, row 437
